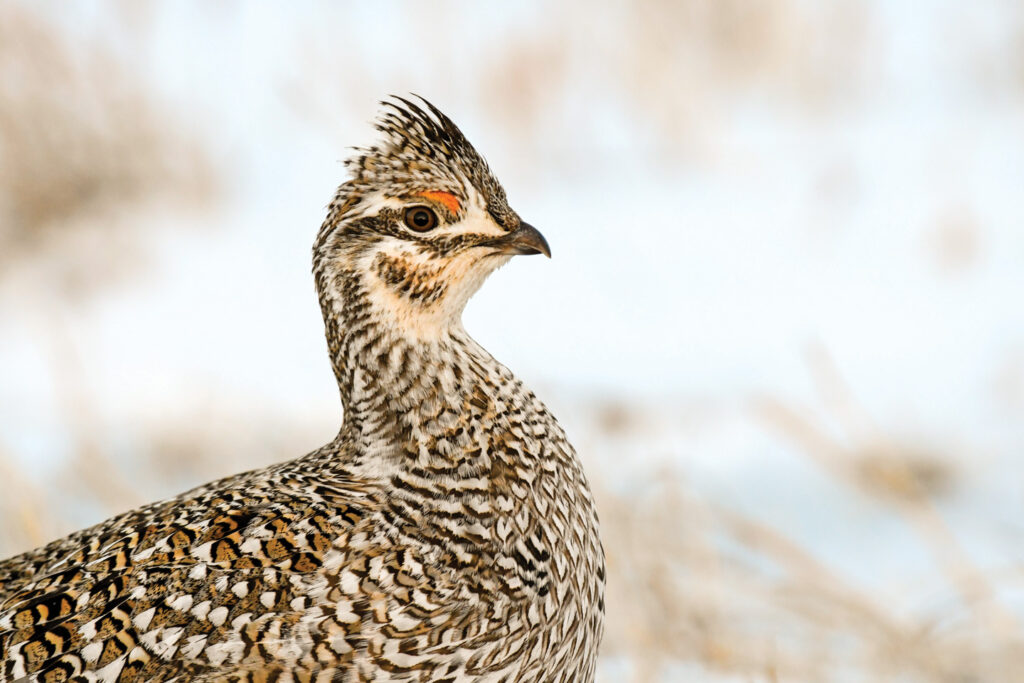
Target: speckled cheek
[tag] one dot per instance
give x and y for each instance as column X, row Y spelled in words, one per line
column 410, row 278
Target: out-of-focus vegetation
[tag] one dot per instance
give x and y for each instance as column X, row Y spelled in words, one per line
column 82, row 143
column 699, row 589
column 702, row 591
column 88, row 153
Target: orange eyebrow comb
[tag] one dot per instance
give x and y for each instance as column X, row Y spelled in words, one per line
column 450, row 201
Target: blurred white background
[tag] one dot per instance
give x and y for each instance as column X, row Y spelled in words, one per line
column 783, row 320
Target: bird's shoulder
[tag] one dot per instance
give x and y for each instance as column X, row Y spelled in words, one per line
column 174, row 574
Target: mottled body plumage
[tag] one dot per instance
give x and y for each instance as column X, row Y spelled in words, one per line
column 446, row 534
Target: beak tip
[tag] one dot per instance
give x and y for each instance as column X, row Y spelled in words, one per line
column 531, row 238
column 525, row 239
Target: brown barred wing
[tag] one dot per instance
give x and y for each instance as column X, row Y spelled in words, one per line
column 167, row 593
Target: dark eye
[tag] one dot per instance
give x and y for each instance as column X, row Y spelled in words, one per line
column 420, row 218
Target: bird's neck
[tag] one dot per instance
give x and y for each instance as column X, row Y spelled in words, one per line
column 466, row 457
column 404, row 380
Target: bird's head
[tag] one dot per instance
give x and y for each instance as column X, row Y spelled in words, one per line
column 419, row 226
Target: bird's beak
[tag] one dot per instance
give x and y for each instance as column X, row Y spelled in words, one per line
column 525, row 239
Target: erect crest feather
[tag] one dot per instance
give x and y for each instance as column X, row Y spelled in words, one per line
column 422, row 149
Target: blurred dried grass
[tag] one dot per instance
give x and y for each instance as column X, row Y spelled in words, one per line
column 674, row 65
column 956, row 241
column 690, row 581
column 680, row 59
column 82, row 142
column 693, row 581
column 88, row 155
